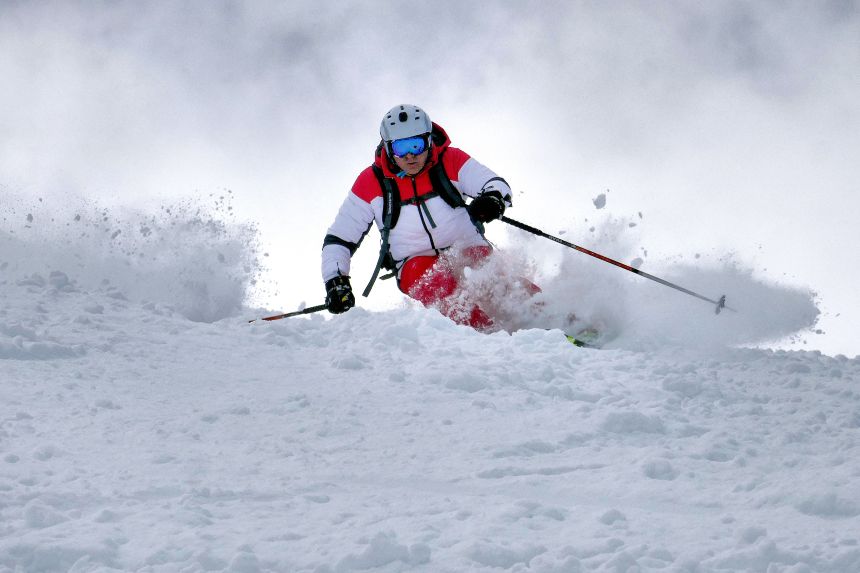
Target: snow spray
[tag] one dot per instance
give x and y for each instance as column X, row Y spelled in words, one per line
column 189, row 256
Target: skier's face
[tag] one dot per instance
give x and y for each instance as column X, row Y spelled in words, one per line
column 412, row 164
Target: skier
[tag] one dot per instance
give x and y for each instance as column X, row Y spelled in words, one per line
column 416, row 193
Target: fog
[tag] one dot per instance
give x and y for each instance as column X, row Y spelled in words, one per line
column 724, row 130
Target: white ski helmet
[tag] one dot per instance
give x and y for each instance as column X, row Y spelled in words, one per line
column 404, row 121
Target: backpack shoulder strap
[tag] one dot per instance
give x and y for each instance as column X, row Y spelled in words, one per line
column 390, row 197
column 442, row 183
column 390, row 212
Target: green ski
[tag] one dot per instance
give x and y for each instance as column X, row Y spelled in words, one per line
column 587, row 338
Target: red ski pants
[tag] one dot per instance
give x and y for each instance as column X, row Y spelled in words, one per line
column 432, row 280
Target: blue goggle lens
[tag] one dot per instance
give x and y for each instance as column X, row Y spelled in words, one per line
column 414, row 145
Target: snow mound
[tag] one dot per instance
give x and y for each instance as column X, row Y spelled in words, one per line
column 141, row 431
column 397, row 441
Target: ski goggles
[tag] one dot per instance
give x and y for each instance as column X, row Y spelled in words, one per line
column 414, row 145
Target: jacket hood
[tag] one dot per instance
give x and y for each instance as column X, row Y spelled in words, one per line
column 440, row 140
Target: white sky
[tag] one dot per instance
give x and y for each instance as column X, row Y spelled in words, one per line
column 731, row 126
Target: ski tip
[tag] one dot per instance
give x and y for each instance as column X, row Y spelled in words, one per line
column 581, row 343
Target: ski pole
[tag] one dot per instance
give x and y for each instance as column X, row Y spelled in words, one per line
column 720, row 303
column 308, row 310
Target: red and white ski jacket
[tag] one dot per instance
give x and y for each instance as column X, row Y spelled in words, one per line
column 425, row 227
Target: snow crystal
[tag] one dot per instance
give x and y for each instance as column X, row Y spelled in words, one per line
column 39, row 516
column 660, row 470
column 829, row 505
column 612, row 516
column 493, row 555
column 630, row 422
column 383, row 550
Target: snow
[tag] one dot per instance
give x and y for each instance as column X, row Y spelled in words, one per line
column 146, row 426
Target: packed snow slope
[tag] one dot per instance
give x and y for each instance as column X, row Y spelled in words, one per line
column 146, row 426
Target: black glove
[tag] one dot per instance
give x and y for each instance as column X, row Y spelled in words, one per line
column 487, row 207
column 339, row 297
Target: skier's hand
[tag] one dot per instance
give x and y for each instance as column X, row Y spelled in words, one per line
column 339, row 297
column 487, row 207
